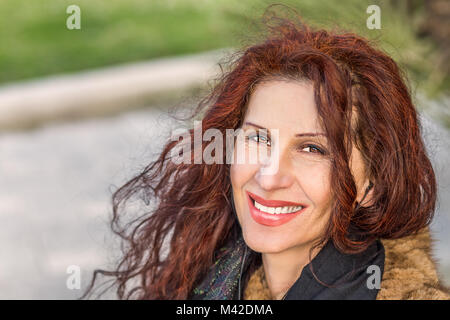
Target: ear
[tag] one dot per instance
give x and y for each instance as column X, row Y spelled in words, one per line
column 365, row 197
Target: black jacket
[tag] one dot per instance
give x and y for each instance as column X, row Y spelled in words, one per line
column 330, row 275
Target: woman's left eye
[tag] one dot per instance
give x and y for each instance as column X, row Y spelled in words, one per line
column 313, row 147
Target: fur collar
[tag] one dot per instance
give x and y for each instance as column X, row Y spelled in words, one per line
column 409, row 272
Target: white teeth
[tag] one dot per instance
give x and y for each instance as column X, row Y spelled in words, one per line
column 277, row 210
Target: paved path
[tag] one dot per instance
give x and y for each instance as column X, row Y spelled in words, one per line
column 102, row 91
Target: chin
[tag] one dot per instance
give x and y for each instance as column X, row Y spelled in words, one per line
column 263, row 244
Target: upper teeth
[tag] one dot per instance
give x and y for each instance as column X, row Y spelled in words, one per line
column 277, row 210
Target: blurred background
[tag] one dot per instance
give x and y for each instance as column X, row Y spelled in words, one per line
column 82, row 110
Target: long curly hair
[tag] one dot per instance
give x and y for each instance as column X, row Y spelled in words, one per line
column 169, row 248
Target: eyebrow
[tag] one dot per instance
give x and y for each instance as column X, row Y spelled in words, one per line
column 304, row 134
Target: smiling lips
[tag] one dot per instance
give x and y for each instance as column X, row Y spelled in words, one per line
column 273, row 212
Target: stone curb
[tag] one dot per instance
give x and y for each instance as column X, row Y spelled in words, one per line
column 102, row 91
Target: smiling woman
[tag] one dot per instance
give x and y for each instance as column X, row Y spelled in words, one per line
column 285, row 238
column 344, row 216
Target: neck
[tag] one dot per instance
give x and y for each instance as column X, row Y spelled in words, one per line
column 282, row 269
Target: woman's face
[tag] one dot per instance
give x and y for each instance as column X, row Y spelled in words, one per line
column 303, row 175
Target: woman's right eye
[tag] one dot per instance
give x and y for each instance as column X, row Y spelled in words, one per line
column 258, row 138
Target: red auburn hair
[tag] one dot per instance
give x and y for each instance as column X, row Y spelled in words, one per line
column 169, row 248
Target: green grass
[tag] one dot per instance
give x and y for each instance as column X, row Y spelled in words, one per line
column 34, row 40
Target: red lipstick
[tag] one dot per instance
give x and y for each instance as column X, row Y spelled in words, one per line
column 268, row 219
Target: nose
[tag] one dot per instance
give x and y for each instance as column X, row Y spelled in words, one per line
column 275, row 173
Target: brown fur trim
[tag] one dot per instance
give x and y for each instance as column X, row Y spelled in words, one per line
column 257, row 288
column 409, row 272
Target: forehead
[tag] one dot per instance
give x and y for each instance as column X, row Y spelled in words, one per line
column 284, row 104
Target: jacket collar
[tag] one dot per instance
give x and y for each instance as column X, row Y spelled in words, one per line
column 333, row 275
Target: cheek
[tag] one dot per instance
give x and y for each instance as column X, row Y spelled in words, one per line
column 316, row 183
column 236, row 173
column 241, row 176
column 316, row 186
column 322, row 188
column 237, row 176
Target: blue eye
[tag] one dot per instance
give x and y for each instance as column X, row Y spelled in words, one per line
column 258, row 138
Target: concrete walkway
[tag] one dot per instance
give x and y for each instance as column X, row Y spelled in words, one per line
column 102, row 91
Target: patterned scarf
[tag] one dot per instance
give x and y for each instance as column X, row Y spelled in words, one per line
column 222, row 281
